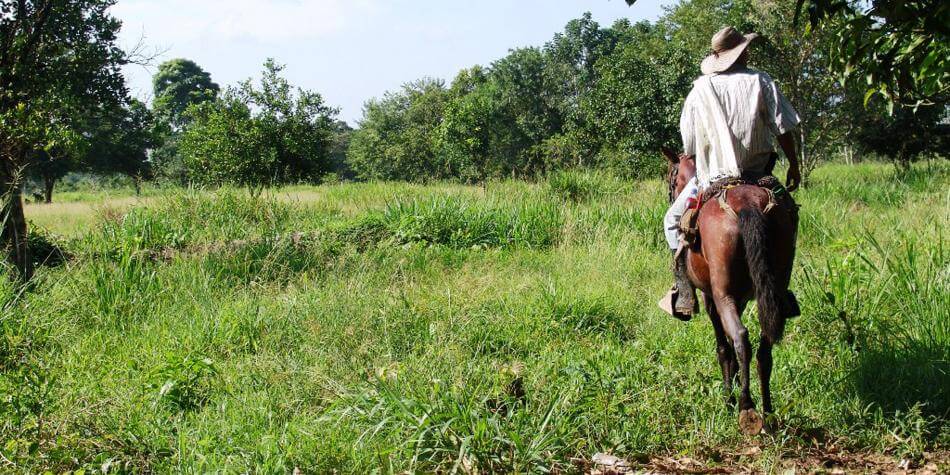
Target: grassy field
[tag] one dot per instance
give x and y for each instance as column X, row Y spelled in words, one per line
column 390, row 327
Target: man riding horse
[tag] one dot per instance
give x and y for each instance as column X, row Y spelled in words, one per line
column 727, row 124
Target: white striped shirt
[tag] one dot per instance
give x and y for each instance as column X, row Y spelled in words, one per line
column 755, row 111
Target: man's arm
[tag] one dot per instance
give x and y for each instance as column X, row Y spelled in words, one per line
column 784, row 121
column 794, row 176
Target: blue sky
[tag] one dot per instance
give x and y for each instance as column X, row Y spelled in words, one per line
column 350, row 50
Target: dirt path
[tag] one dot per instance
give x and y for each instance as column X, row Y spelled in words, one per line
column 825, row 461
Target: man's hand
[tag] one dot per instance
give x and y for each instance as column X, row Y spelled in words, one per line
column 794, row 175
column 793, row 178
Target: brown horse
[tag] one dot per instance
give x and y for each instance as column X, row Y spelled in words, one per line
column 741, row 255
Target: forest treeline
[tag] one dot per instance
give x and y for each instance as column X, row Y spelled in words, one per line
column 593, row 96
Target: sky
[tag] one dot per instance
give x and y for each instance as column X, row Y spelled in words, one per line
column 349, row 50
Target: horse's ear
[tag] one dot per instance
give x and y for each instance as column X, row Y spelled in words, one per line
column 670, row 155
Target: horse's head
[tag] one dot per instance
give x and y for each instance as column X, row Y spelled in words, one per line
column 682, row 169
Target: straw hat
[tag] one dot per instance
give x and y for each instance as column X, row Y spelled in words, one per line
column 727, row 45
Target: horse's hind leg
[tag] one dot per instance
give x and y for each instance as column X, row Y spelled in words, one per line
column 749, row 420
column 724, row 352
column 764, row 360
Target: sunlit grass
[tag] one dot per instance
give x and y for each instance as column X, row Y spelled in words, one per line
column 381, row 326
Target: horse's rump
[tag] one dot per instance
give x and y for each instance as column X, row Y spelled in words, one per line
column 778, row 198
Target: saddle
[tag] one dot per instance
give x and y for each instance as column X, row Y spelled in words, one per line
column 778, row 196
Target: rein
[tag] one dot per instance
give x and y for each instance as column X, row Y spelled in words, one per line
column 674, row 173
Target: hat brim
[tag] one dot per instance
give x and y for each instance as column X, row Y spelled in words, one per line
column 717, row 63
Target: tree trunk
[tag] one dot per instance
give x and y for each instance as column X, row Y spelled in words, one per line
column 48, row 183
column 803, row 160
column 13, row 236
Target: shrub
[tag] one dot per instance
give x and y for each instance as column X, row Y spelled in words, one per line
column 183, row 383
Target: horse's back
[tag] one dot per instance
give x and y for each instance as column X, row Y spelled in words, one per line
column 721, row 249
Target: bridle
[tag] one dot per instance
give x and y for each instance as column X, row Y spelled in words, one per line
column 673, row 175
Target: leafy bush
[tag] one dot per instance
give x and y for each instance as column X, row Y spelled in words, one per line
column 140, row 231
column 183, row 383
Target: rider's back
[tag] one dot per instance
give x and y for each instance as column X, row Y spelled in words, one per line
column 754, row 110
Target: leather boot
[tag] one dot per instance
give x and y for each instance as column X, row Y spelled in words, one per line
column 684, row 300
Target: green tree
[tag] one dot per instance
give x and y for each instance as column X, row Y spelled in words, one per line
column 531, row 105
column 570, row 73
column 342, row 134
column 115, row 140
column 121, row 143
column 398, row 137
column 260, row 135
column 49, row 166
column 899, row 48
column 903, row 136
column 469, row 129
column 58, row 60
column 177, row 85
column 636, row 106
column 224, row 145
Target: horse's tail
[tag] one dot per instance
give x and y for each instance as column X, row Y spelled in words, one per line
column 754, row 226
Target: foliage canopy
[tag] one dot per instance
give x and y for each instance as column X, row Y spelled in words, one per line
column 259, row 134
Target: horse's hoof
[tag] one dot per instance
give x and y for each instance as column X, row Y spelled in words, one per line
column 750, row 422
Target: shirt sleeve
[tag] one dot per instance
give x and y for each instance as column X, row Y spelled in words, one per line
column 688, row 126
column 781, row 116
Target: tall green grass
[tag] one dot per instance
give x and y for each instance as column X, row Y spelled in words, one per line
column 465, row 223
column 391, row 328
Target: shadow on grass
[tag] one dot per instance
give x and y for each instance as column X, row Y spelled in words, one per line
column 906, row 374
column 46, row 249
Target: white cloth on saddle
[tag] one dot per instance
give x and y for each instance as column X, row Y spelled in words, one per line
column 729, row 120
column 671, row 222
